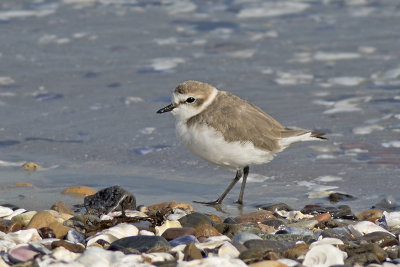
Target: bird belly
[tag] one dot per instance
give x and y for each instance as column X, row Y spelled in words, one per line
column 209, row 144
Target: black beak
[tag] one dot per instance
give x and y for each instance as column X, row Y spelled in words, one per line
column 168, row 108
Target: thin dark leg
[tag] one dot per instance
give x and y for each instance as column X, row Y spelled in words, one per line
column 245, row 173
column 219, row 200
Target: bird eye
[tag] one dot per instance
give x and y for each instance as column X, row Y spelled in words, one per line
column 190, row 100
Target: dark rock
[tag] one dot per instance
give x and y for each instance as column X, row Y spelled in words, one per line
column 206, row 231
column 366, row 253
column 341, row 233
column 393, row 252
column 230, row 220
column 239, row 247
column 172, row 233
column 296, row 251
column 228, row 229
column 388, row 204
column 183, row 240
column 308, row 239
column 383, row 239
column 194, row 220
column 7, row 226
column 275, row 223
column 46, row 232
column 266, row 245
column 254, row 255
column 336, row 197
column 76, row 248
column 342, row 211
column 255, row 217
column 191, row 252
column 275, row 207
column 331, row 224
column 139, row 243
column 110, row 199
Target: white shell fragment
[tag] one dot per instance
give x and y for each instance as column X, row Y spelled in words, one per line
column 324, row 255
column 327, row 241
column 366, row 227
column 392, row 218
column 168, row 224
column 5, row 211
column 116, row 232
column 212, row 261
column 227, row 250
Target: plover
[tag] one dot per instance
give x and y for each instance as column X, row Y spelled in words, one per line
column 229, row 131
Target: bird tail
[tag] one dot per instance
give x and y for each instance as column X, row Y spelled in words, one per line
column 319, row 135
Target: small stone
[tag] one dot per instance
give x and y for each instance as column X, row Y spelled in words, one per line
column 381, row 238
column 227, row 250
column 21, row 253
column 62, row 208
column 369, row 215
column 24, row 218
column 245, row 236
column 183, row 240
column 171, row 205
column 75, row 237
column 140, row 243
column 322, row 217
column 51, row 219
column 275, row 207
column 7, row 226
column 206, row 231
column 228, row 229
column 275, row 223
column 216, row 219
column 267, row 264
column 229, row 220
column 46, row 232
column 191, row 252
column 76, row 248
column 110, row 199
column 173, row 233
column 194, row 220
column 266, row 245
column 364, row 253
column 336, row 197
column 295, row 252
column 79, row 191
column 255, row 217
column 23, row 184
column 30, row 166
column 255, row 255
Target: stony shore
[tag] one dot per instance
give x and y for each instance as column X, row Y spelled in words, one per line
column 109, row 229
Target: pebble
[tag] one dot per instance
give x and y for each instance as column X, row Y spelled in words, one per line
column 110, row 199
column 62, row 208
column 79, row 191
column 139, row 243
column 172, row 233
column 318, row 235
column 255, row 217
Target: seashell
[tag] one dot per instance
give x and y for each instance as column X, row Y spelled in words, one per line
column 366, row 227
column 5, row 211
column 145, row 232
column 293, row 215
column 14, row 213
column 5, row 245
column 324, row 255
column 39, row 247
column 23, row 236
column 213, row 261
column 22, row 253
column 24, row 218
column 213, row 242
column 157, row 257
column 392, row 218
column 63, row 254
column 227, row 250
column 116, row 232
column 168, row 224
column 326, row 241
column 178, row 213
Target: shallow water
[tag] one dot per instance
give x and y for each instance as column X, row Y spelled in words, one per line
column 80, row 82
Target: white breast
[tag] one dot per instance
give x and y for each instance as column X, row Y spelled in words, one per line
column 210, row 145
